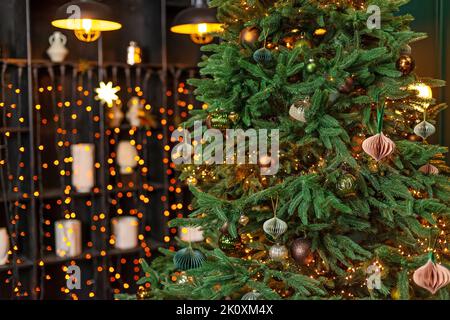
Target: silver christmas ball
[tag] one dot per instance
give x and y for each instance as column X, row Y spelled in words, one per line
column 424, row 129
column 275, row 227
column 278, row 252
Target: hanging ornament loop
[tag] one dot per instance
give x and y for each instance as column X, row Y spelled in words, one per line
column 380, row 117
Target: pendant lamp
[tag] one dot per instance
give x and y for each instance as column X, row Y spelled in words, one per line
column 87, row 18
column 198, row 21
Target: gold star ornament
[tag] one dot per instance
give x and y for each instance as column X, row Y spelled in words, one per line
column 107, row 93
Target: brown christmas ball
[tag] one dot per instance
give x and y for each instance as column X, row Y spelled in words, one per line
column 348, row 85
column 301, row 251
column 357, row 141
column 249, row 36
column 405, row 64
column 295, row 78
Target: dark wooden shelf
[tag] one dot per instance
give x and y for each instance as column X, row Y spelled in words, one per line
column 53, row 259
column 26, row 263
column 34, row 213
column 59, row 193
column 14, row 129
column 42, row 63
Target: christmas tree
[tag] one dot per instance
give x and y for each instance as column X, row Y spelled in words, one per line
column 359, row 206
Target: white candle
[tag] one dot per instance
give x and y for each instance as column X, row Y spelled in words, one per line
column 83, row 174
column 4, row 246
column 68, row 238
column 126, row 157
column 191, row 234
column 125, row 232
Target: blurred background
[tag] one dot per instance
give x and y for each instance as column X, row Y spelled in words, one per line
column 52, row 128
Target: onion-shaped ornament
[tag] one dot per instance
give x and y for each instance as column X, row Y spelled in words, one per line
column 432, row 276
column 278, row 252
column 253, row 295
column 188, row 258
column 275, row 227
column 262, row 55
column 378, row 146
column 424, row 129
column 429, row 169
column 298, row 108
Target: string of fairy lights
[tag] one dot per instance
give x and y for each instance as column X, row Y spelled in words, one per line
column 66, row 113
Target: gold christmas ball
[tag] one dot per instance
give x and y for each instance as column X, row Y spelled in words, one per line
column 346, row 185
column 228, row 243
column 372, row 165
column 395, row 294
column 243, row 220
column 405, row 64
column 221, row 120
column 249, row 36
column 143, row 293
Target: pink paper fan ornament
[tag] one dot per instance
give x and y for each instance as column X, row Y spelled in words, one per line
column 429, row 169
column 432, row 276
column 378, row 146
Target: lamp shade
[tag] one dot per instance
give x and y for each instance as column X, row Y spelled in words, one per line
column 196, row 21
column 87, row 18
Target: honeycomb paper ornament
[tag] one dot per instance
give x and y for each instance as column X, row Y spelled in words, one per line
column 253, row 295
column 188, row 258
column 275, row 227
column 424, row 129
column 429, row 169
column 262, row 55
column 378, row 146
column 432, row 276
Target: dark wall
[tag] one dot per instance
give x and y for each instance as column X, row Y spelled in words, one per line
column 432, row 55
column 12, row 29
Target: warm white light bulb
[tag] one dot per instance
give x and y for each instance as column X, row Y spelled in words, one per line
column 425, row 91
column 202, row 28
column 87, row 25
